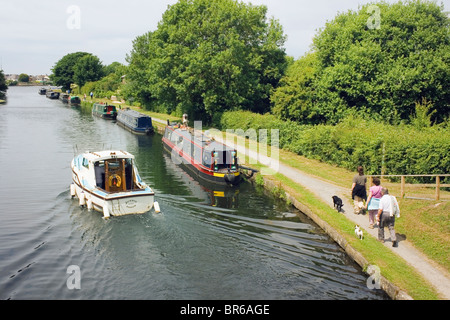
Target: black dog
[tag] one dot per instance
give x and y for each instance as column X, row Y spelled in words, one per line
column 337, row 203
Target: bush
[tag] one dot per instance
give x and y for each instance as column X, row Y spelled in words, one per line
column 378, row 147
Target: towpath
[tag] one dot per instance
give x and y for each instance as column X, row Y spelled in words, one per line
column 325, row 190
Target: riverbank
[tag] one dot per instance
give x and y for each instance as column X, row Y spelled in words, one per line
column 404, row 269
column 307, row 184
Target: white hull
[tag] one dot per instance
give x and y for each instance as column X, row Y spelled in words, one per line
column 108, row 182
column 119, row 204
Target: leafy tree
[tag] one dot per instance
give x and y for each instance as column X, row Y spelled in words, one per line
column 377, row 66
column 384, row 69
column 209, row 56
column 3, row 86
column 112, row 68
column 87, row 68
column 137, row 80
column 108, row 85
column 24, row 77
column 294, row 98
column 63, row 71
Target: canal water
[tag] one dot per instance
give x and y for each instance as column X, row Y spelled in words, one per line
column 207, row 243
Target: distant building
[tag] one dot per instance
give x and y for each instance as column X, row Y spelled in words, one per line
column 12, row 77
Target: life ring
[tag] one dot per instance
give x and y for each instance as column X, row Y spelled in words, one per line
column 115, row 181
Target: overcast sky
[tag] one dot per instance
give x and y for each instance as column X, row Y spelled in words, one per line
column 34, row 35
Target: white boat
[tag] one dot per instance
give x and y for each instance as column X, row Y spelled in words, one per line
column 109, row 182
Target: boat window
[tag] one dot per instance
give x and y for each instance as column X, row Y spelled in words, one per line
column 145, row 122
column 99, row 168
column 207, row 159
column 114, row 164
column 187, row 147
column 119, row 177
column 86, row 163
column 224, row 160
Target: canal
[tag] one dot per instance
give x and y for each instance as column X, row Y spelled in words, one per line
column 207, row 243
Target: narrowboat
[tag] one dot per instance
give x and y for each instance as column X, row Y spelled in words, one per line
column 51, row 94
column 135, row 122
column 42, row 91
column 109, row 182
column 64, row 97
column 75, row 101
column 205, row 157
column 108, row 112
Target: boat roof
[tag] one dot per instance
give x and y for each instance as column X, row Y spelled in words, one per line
column 200, row 138
column 106, row 155
column 134, row 113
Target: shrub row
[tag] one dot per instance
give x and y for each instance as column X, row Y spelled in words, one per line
column 378, row 147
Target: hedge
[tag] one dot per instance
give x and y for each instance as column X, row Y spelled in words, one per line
column 378, row 147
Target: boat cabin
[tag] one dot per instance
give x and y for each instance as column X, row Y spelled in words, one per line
column 112, row 172
column 114, row 175
column 135, row 122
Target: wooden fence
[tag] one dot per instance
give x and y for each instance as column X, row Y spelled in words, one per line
column 403, row 185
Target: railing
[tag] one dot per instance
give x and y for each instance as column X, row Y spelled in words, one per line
column 403, row 185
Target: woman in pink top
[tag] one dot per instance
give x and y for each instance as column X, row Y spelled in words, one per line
column 373, row 201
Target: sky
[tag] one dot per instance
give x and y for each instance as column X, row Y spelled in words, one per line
column 34, row 35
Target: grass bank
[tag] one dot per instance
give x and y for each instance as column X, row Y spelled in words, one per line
column 394, row 269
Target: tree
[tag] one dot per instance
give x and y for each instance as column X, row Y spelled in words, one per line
column 384, row 69
column 207, row 57
column 294, row 98
column 137, row 84
column 112, row 68
column 3, row 86
column 378, row 61
column 88, row 68
column 63, row 71
column 24, row 78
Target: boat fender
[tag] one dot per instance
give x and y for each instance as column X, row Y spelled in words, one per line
column 157, row 208
column 115, row 181
column 89, row 204
column 73, row 191
column 106, row 214
column 82, row 199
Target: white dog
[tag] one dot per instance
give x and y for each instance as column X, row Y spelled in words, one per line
column 359, row 233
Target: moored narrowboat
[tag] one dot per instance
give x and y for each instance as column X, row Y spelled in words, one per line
column 52, row 94
column 205, row 157
column 64, row 97
column 75, row 101
column 104, row 111
column 135, row 122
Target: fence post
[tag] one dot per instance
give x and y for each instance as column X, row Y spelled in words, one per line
column 438, row 187
column 402, row 187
